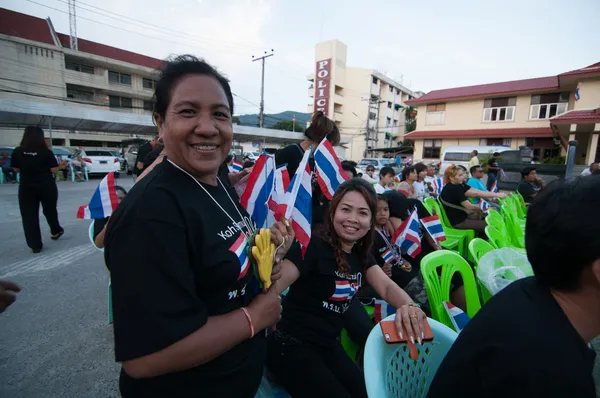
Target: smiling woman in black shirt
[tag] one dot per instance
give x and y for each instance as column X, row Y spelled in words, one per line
column 305, row 354
column 188, row 319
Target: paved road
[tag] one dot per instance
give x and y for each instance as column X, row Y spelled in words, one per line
column 55, row 341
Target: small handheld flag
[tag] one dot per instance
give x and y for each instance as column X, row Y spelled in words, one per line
column 457, row 316
column 257, row 193
column 382, row 310
column 484, row 206
column 578, row 92
column 438, row 185
column 494, row 187
column 407, row 235
column 329, row 169
column 104, row 200
column 239, row 249
column 433, row 225
column 236, row 167
column 282, row 182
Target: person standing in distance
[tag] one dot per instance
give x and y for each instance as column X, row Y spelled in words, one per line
column 36, row 163
column 188, row 318
column 143, row 151
column 493, row 170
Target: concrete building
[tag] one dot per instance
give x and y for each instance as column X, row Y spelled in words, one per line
column 367, row 106
column 540, row 113
column 96, row 96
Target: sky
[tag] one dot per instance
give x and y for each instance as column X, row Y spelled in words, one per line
column 424, row 45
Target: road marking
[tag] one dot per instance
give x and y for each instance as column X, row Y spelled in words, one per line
column 49, row 261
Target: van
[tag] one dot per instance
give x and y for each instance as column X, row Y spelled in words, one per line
column 461, row 155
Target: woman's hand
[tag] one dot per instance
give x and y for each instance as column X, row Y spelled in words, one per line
column 265, row 309
column 412, row 318
column 501, row 195
column 8, row 293
column 406, row 266
column 387, row 268
column 282, row 234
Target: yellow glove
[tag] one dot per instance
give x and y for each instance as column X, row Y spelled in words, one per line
column 263, row 252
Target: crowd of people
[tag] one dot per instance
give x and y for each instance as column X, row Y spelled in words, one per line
column 191, row 318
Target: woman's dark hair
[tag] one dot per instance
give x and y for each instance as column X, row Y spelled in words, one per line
column 321, row 126
column 120, row 188
column 419, row 167
column 382, row 197
column 347, row 166
column 363, row 245
column 248, row 164
column 33, row 139
column 406, row 171
column 177, row 67
column 229, row 158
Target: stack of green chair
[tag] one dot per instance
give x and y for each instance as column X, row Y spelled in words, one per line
column 456, row 239
column 498, row 240
column 438, row 287
column 479, row 248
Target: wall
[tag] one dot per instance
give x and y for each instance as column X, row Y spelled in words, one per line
column 356, row 111
column 590, row 94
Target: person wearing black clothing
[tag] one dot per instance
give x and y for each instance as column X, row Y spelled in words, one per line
column 461, row 213
column 531, row 339
column 36, row 163
column 530, row 185
column 493, row 170
column 143, row 151
column 188, row 318
column 305, row 354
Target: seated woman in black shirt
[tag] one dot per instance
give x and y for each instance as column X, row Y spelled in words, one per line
column 305, row 354
column 188, row 318
column 461, row 213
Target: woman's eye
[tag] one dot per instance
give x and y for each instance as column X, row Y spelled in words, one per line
column 187, row 112
column 222, row 115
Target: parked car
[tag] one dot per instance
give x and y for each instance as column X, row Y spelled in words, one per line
column 130, row 157
column 378, row 163
column 119, row 156
column 461, row 154
column 252, row 155
column 101, row 161
column 63, row 152
column 8, row 149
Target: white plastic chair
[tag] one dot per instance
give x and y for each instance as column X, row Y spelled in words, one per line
column 389, row 371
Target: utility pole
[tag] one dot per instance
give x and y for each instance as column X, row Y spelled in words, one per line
column 73, row 25
column 261, row 114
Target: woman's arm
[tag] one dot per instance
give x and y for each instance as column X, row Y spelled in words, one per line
column 289, row 275
column 99, row 239
column 477, row 193
column 468, row 205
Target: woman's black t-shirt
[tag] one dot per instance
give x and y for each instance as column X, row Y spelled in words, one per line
column 455, row 194
column 34, row 165
column 314, row 307
column 175, row 260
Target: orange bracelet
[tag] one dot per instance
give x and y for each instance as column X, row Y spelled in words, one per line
column 249, row 318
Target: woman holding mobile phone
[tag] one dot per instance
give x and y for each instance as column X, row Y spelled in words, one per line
column 305, row 353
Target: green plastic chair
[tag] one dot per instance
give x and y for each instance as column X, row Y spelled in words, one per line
column 499, row 241
column 461, row 237
column 438, row 287
column 478, row 247
column 514, row 229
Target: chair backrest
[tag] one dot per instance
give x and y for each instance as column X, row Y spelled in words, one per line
column 431, row 205
column 495, row 237
column 389, row 371
column 497, row 223
column 91, row 236
column 478, row 248
column 513, row 227
column 442, row 213
column 438, row 287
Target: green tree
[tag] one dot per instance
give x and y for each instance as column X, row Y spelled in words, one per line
column 410, row 114
column 287, row 125
column 235, row 120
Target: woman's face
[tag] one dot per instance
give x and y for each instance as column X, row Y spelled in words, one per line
column 458, row 178
column 352, row 217
column 422, row 175
column 412, row 176
column 120, row 195
column 383, row 212
column 197, row 129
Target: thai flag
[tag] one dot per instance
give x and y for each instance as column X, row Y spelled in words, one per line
column 387, row 255
column 297, row 202
column 104, row 200
column 382, row 310
column 577, row 92
column 282, row 182
column 344, row 290
column 329, row 169
column 494, row 187
column 433, row 225
column 438, row 185
column 407, row 236
column 239, row 249
column 236, row 167
column 484, row 206
column 260, row 185
column 457, row 316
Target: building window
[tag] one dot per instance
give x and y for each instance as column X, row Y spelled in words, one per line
column 375, row 80
column 372, row 116
column 116, row 77
column 432, row 149
column 51, row 54
column 119, row 102
column 436, row 114
column 148, row 105
column 36, row 51
column 389, row 105
column 148, row 84
column 391, row 89
column 80, row 94
column 499, row 109
column 545, row 106
column 387, row 122
column 46, row 52
column 397, row 91
column 79, row 67
column 395, row 122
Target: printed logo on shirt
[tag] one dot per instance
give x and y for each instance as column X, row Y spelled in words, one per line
column 233, row 228
column 344, row 290
column 30, row 153
column 239, row 249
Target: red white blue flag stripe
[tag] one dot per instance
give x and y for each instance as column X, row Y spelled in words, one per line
column 387, row 255
column 433, row 225
column 344, row 290
column 236, row 167
column 457, row 316
column 382, row 310
column 577, row 95
column 282, row 182
column 260, row 185
column 484, row 206
column 438, row 185
column 104, row 200
column 494, row 187
column 329, row 169
column 239, row 249
column 407, row 235
column 297, row 203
